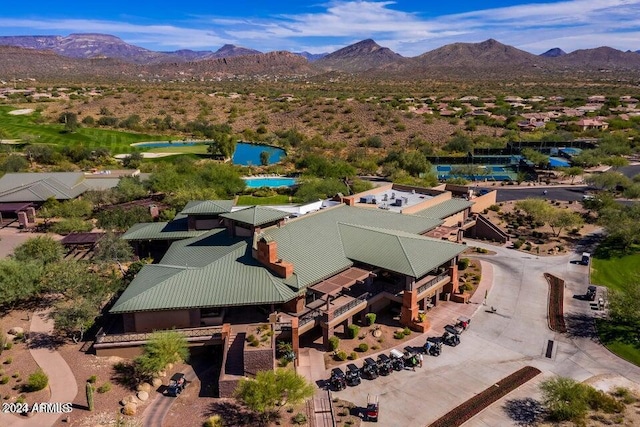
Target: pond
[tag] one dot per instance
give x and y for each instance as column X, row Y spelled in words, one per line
column 246, row 154
column 272, row 182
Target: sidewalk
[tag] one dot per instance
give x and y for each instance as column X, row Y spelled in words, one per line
column 62, row 382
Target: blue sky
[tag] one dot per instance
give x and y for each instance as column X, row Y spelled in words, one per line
column 409, row 27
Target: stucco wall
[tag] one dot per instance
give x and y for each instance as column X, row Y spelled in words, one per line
column 453, row 220
column 436, row 200
column 150, row 321
column 483, row 202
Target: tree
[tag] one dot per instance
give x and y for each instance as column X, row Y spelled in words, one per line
column 163, row 347
column 616, row 162
column 573, row 172
column 624, row 307
column 42, row 249
column 111, row 248
column 536, row 157
column 273, row 389
column 133, row 160
column 538, row 209
column 70, row 121
column 561, row 219
column 564, row 398
column 264, row 158
column 130, row 188
column 73, row 318
column 19, row 281
column 608, row 180
column 15, row 163
column 122, row 219
column 224, row 145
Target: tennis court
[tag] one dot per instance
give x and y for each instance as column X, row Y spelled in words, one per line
column 477, row 172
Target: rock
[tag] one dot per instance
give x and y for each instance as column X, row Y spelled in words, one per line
column 169, row 367
column 143, row 395
column 128, row 399
column 157, row 382
column 10, row 337
column 16, row 330
column 130, row 409
column 144, row 387
column 162, row 374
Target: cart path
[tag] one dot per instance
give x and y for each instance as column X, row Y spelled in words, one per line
column 62, row 382
column 154, row 414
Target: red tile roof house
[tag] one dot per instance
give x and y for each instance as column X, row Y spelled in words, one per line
column 227, row 267
column 587, row 124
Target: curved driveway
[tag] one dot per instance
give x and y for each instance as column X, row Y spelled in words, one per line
column 497, row 344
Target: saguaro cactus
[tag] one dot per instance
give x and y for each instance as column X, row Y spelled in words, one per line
column 89, row 390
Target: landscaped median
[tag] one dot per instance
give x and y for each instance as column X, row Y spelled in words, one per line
column 556, row 303
column 464, row 412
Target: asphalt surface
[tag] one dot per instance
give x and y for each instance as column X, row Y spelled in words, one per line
column 564, row 193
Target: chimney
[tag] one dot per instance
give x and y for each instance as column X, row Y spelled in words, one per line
column 268, row 256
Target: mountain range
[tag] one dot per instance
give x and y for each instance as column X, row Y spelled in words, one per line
column 101, row 55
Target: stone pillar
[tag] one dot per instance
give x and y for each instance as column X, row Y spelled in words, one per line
column 326, row 334
column 453, row 274
column 23, row 220
column 295, row 339
column 409, row 310
column 31, row 214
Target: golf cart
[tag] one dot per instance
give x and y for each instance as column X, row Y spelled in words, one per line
column 373, row 407
column 454, row 329
column 370, row 369
column 384, row 365
column 177, row 383
column 463, row 322
column 337, row 381
column 450, row 338
column 352, row 375
column 397, row 359
column 433, row 346
column 410, row 357
column 591, row 293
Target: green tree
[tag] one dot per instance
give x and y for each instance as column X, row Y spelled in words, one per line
column 122, row 219
column 624, row 307
column 565, row 399
column 41, row 249
column 536, row 157
column 272, row 390
column 70, row 121
column 616, row 162
column 111, row 248
column 163, row 347
column 608, row 180
column 19, row 281
column 538, row 209
column 562, row 219
column 15, row 163
column 573, row 172
column 74, row 318
column 313, row 189
column 133, row 160
column 264, row 158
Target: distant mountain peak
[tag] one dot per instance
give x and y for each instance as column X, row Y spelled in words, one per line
column 554, row 53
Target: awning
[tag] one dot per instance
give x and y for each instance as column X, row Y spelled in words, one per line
column 337, row 283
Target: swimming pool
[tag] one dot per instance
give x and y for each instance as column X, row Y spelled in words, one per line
column 272, row 182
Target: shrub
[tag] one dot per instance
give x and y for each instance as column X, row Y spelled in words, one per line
column 341, row 355
column 624, row 394
column 371, row 318
column 398, row 335
column 214, row 421
column 374, row 347
column 16, row 374
column 353, row 331
column 363, row 347
column 463, row 263
column 8, row 346
column 406, row 331
column 8, row 361
column 37, row 381
column 494, row 208
column 353, row 355
column 334, row 342
column 518, row 243
column 299, row 418
column 92, row 379
column 482, row 250
column 104, row 388
column 4, row 380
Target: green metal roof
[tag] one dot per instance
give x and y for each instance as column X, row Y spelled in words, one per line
column 405, row 253
column 38, row 187
column 445, row 209
column 256, row 215
column 314, row 246
column 231, row 277
column 174, row 230
column 207, row 207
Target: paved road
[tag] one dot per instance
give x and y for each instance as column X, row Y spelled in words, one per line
column 497, row 344
column 565, row 193
column 155, row 413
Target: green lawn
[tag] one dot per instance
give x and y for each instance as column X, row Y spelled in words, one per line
column 15, row 127
column 616, row 273
column 249, row 200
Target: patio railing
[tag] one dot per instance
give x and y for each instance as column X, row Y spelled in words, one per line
column 432, row 282
column 207, row 332
column 351, row 304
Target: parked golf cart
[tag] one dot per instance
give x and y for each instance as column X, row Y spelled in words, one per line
column 370, row 369
column 410, row 357
column 591, row 293
column 352, row 375
column 397, row 359
column 338, row 380
column 433, row 346
column 454, row 329
column 463, row 323
column 177, row 383
column 450, row 338
column 373, row 408
column 384, row 365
